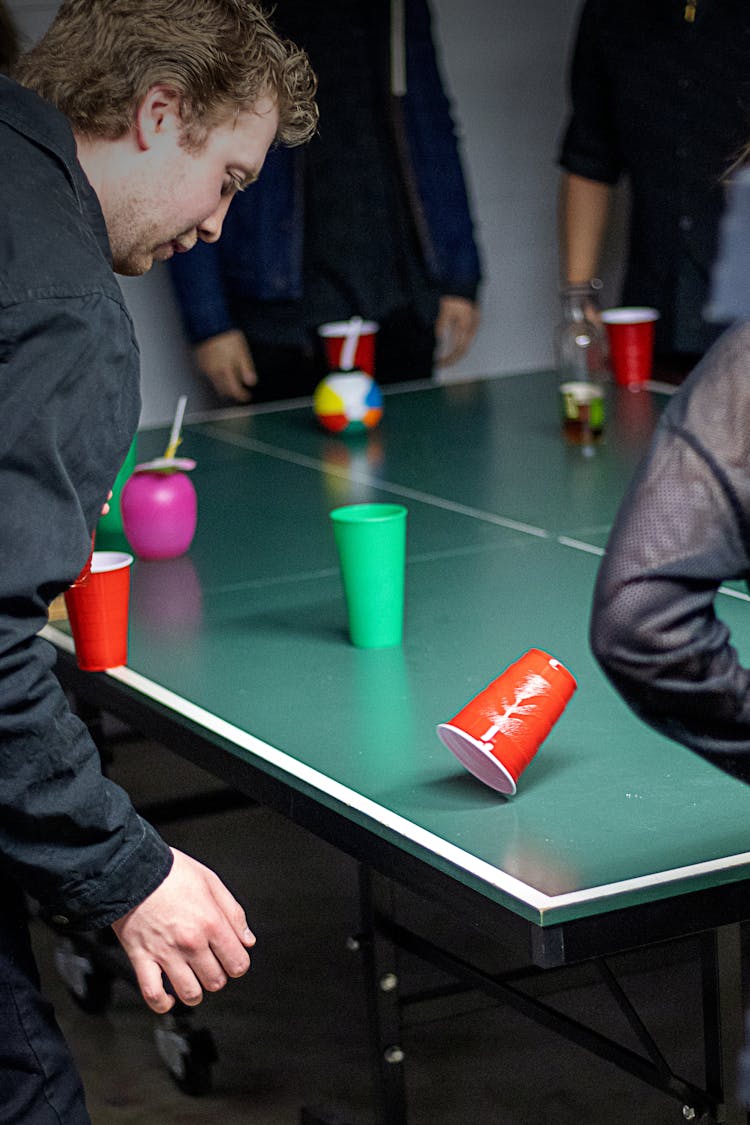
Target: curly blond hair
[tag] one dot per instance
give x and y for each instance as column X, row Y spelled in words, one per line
column 99, row 58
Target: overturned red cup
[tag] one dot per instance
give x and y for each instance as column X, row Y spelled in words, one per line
column 98, row 612
column 497, row 733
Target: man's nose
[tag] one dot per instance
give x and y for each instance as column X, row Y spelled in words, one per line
column 210, row 229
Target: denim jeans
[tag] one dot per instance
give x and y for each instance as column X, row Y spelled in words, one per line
column 39, row 1083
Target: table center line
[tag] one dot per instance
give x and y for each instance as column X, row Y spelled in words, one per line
column 405, row 492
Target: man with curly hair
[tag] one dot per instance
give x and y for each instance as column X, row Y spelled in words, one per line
column 125, row 135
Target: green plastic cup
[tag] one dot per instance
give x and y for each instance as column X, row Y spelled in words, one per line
column 371, row 544
column 112, row 522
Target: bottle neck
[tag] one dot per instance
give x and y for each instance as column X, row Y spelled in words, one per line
column 578, row 300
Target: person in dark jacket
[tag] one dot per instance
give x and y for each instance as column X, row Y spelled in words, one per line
column 371, row 219
column 123, row 143
column 660, row 96
column 683, row 530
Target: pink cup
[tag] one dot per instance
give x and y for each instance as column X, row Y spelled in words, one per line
column 159, row 513
column 350, row 345
column 498, row 732
column 630, row 332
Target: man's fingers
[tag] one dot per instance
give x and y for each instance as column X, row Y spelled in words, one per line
column 455, row 343
column 455, row 327
column 231, row 940
column 228, row 383
column 230, row 954
column 192, row 930
column 231, row 910
column 185, row 983
column 189, row 975
column 148, row 975
column 242, row 379
column 208, row 971
column 226, row 361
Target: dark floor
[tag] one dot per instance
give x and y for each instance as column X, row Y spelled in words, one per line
column 293, row 1031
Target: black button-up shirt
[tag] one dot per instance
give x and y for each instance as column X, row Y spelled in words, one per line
column 667, row 103
column 70, row 402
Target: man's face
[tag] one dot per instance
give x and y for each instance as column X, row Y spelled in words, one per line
column 176, row 195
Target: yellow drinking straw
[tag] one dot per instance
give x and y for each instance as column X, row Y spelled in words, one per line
column 174, row 438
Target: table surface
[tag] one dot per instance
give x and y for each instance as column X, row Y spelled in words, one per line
column 245, row 639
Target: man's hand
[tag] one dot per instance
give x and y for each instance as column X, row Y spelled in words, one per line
column 455, row 328
column 226, row 361
column 192, row 930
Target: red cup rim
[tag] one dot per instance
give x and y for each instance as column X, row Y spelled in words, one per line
column 627, row 315
column 343, row 328
column 103, row 561
column 477, row 759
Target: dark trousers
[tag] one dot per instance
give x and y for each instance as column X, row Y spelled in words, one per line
column 39, row 1083
column 404, row 351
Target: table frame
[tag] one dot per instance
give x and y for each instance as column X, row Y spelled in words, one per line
column 714, row 914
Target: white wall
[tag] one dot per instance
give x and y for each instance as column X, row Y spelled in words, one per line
column 504, row 62
column 505, row 67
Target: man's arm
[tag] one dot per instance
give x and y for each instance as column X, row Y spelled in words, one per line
column 582, row 221
column 432, row 163
column 590, row 157
column 69, row 836
column 682, row 530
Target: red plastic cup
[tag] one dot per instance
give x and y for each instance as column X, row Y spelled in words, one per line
column 350, row 345
column 498, row 733
column 630, row 332
column 98, row 612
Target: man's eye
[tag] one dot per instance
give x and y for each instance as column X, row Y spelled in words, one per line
column 233, row 184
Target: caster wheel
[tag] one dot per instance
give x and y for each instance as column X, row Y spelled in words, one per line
column 188, row 1055
column 89, row 986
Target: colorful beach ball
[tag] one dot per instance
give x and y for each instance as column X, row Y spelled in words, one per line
column 348, row 402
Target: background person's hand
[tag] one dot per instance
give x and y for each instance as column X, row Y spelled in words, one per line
column 226, row 361
column 191, row 929
column 455, row 328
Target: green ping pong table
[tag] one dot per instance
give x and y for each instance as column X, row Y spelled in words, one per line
column 617, row 838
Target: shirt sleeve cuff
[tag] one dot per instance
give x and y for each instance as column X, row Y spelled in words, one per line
column 144, row 868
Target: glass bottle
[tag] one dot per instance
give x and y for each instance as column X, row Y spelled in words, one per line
column 580, row 342
column 581, row 362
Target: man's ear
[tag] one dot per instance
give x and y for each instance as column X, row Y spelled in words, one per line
column 157, row 115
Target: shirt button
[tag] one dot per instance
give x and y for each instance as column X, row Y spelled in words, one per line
column 60, row 920
column 685, row 223
column 684, row 83
column 682, row 152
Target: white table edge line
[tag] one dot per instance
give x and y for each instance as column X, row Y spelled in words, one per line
column 494, row 876
column 349, row 797
column 643, row 882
